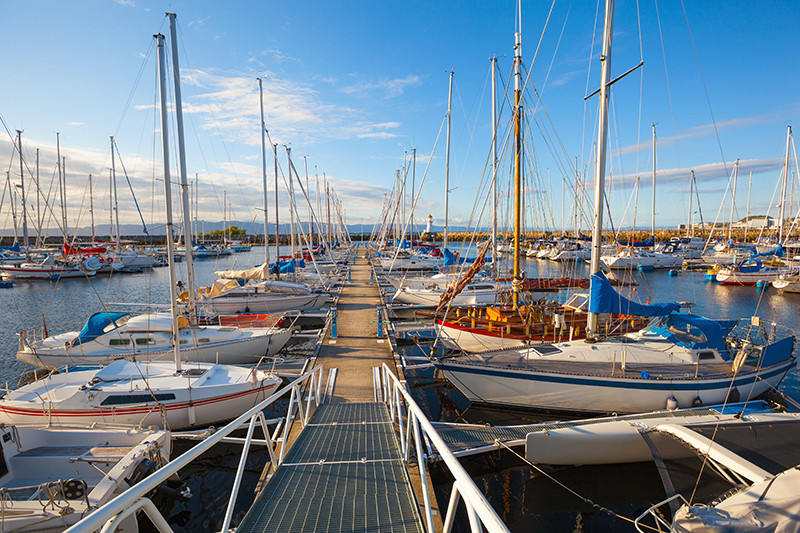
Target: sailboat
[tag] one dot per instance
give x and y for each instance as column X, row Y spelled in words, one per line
column 48, row 268
column 152, row 393
column 679, row 359
column 631, row 257
column 53, row 477
column 516, row 322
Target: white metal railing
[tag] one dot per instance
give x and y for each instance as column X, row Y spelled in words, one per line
column 660, row 522
column 413, row 423
column 106, row 517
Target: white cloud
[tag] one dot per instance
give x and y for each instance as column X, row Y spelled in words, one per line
column 390, row 87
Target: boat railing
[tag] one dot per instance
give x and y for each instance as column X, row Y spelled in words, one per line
column 305, row 395
column 653, row 511
column 416, row 430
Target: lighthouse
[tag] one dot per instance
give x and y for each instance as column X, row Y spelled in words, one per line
column 429, row 227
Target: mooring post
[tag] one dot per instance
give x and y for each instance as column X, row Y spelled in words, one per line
column 334, row 333
column 380, row 322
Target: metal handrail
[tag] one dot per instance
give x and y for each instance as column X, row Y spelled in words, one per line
column 482, row 516
column 133, row 495
column 659, row 520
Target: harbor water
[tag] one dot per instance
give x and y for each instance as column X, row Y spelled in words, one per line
column 526, row 499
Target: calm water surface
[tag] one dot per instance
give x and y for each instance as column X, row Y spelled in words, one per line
column 526, row 500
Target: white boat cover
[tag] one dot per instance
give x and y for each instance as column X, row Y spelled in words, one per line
column 153, row 322
column 773, row 516
column 259, row 272
column 126, row 369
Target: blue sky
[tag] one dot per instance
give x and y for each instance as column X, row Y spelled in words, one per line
column 354, row 86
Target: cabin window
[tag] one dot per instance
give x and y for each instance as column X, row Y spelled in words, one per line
column 546, row 349
column 119, row 342
column 145, row 341
column 183, row 341
column 122, row 399
column 202, row 341
column 706, row 356
column 118, row 323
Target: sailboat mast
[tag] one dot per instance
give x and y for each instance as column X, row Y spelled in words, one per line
column 691, row 191
column 733, row 197
column 447, row 160
column 187, row 224
column 61, row 184
column 22, row 195
column 517, row 154
column 747, row 218
column 91, row 208
column 600, row 167
column 114, row 188
column 494, row 164
column 38, row 207
column 277, row 219
column 291, row 201
column 264, row 172
column 173, row 300
column 224, row 216
column 653, row 222
column 783, row 185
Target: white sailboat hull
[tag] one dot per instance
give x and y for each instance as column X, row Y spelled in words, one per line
column 248, row 349
column 213, row 393
column 263, row 303
column 473, row 340
column 577, row 392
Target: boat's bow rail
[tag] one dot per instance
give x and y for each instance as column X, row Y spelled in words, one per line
column 305, row 395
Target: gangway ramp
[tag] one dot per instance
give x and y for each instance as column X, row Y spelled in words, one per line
column 344, row 473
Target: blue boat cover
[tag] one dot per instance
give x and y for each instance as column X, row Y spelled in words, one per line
column 639, row 244
column 604, row 299
column 750, row 266
column 777, row 252
column 96, row 326
column 14, row 248
column 692, row 331
column 449, row 257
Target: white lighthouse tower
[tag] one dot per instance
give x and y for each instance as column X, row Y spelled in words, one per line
column 429, row 227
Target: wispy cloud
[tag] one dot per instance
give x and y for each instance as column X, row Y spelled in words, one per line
column 129, row 3
column 390, row 87
column 706, row 130
column 703, row 173
column 199, row 22
column 76, row 123
column 275, row 56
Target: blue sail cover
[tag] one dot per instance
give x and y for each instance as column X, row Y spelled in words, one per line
column 693, row 332
column 96, row 326
column 604, row 299
column 777, row 252
column 639, row 244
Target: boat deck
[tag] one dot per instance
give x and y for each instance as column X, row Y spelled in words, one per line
column 514, row 362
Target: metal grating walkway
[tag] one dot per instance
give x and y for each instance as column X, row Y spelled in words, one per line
column 344, row 473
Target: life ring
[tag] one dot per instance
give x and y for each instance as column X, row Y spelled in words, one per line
column 183, row 296
column 204, row 290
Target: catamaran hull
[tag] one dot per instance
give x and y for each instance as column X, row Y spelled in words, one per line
column 573, row 392
column 245, row 351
